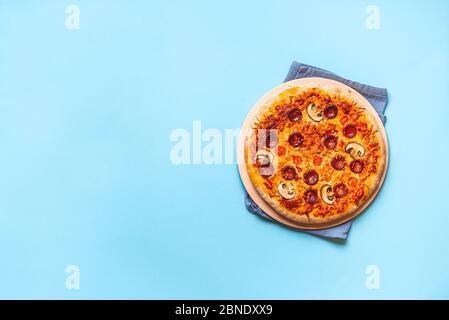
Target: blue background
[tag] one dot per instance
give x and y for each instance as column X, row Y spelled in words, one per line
column 85, row 172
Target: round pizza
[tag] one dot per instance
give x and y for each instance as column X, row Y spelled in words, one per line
column 314, row 154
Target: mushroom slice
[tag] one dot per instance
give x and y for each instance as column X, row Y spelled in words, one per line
column 326, row 194
column 355, row 149
column 264, row 157
column 313, row 112
column 286, row 190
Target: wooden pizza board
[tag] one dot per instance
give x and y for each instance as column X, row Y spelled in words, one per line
column 305, row 83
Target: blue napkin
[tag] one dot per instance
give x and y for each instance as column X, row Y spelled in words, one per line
column 378, row 98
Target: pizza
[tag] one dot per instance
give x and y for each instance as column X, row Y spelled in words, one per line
column 314, row 154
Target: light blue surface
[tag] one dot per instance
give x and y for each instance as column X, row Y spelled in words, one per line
column 85, row 173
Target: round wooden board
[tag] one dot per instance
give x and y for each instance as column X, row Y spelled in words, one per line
column 304, row 83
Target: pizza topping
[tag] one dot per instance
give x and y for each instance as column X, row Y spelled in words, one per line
column 362, row 126
column 295, row 139
column 268, row 184
column 294, row 115
column 350, row 131
column 281, row 151
column 288, row 173
column 344, row 120
column 297, row 160
column 338, row 162
column 286, row 190
column 311, row 196
column 327, row 175
column 331, row 111
column 313, row 113
column 311, row 177
column 266, row 171
column 330, row 142
column 317, row 160
column 264, row 158
column 356, row 166
column 355, row 149
column 327, row 195
column 360, row 193
column 352, row 182
column 340, row 190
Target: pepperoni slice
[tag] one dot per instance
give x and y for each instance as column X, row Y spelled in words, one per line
column 295, row 139
column 266, row 171
column 356, row 166
column 340, row 190
column 294, row 115
column 288, row 173
column 338, row 162
column 330, row 142
column 350, row 131
column 330, row 112
column 311, row 177
column 271, row 139
column 311, row 196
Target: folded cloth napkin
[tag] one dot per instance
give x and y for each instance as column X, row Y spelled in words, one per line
column 376, row 96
